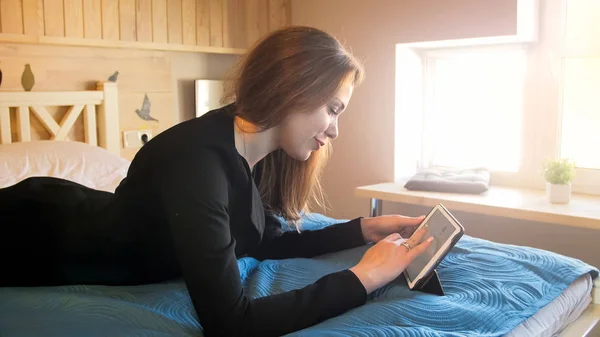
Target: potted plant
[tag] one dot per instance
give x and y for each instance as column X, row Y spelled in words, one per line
column 558, row 175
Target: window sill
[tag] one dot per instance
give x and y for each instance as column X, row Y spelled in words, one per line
column 517, row 203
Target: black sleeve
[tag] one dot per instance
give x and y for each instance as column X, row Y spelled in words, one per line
column 277, row 244
column 195, row 197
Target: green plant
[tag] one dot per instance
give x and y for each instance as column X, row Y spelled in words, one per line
column 561, row 171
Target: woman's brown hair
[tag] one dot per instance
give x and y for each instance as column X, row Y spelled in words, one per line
column 293, row 69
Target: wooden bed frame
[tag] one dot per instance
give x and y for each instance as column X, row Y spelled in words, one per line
column 100, row 110
column 101, row 128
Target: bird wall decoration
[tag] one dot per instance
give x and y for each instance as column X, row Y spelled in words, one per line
column 144, row 112
column 27, row 78
column 113, row 78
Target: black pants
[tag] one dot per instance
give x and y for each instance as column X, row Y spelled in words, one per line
column 53, row 232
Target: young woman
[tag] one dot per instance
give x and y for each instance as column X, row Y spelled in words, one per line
column 207, row 191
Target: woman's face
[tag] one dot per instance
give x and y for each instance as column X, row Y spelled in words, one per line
column 302, row 132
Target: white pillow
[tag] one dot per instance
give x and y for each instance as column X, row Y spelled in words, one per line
column 82, row 163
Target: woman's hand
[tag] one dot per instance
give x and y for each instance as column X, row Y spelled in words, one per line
column 387, row 259
column 378, row 228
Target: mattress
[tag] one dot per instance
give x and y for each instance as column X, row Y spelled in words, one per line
column 164, row 309
column 558, row 314
column 94, row 311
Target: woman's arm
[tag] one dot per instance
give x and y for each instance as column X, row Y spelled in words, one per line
column 277, row 244
column 195, row 198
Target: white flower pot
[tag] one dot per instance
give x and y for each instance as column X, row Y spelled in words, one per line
column 558, row 194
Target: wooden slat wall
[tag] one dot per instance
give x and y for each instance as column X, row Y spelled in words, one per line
column 234, row 23
column 33, row 18
column 127, row 20
column 159, row 21
column 202, row 22
column 216, row 22
column 54, row 20
column 110, row 20
column 11, row 23
column 174, row 16
column 144, row 20
column 207, row 23
column 92, row 19
column 73, row 11
column 188, row 8
column 280, row 12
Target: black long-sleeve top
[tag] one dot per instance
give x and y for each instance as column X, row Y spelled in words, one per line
column 191, row 204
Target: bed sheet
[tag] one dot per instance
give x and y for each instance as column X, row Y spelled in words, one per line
column 491, row 289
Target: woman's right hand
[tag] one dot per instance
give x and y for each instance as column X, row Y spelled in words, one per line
column 387, row 259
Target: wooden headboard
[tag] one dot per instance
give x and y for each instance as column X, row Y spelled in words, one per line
column 99, row 107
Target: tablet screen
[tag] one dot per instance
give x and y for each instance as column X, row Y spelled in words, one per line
column 441, row 229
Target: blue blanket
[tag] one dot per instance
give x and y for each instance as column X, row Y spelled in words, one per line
column 490, row 289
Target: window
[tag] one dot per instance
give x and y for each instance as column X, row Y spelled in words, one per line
column 504, row 104
column 474, row 108
column 580, row 136
column 579, row 88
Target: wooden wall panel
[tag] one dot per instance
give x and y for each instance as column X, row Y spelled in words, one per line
column 225, row 23
column 92, row 19
column 236, row 24
column 159, row 21
column 279, row 14
column 11, row 23
column 221, row 26
column 188, row 8
column 144, row 20
column 203, row 22
column 33, row 17
column 216, row 23
column 54, row 20
column 127, row 20
column 262, row 21
column 174, row 17
column 256, row 20
column 73, row 14
column 110, row 20
column 251, row 16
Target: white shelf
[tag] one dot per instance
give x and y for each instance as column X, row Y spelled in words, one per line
column 526, row 204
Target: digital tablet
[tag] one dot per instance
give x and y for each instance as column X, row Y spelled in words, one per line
column 446, row 231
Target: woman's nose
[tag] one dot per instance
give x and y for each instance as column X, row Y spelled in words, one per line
column 332, row 131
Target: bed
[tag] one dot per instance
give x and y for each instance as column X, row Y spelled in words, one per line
column 491, row 289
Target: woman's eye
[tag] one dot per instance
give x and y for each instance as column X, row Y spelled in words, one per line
column 333, row 110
